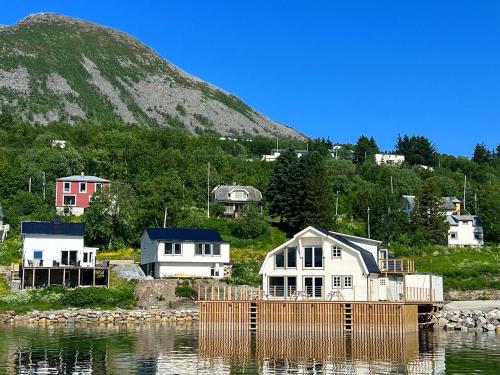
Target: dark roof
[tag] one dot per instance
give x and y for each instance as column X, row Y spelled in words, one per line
column 83, row 178
column 367, row 257
column 184, row 234
column 49, row 228
column 222, row 193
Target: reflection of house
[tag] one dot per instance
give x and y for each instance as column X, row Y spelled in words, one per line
column 4, row 228
column 465, row 230
column 389, row 159
column 73, row 193
column 233, row 197
column 276, row 152
column 55, row 254
column 317, row 263
column 178, row 252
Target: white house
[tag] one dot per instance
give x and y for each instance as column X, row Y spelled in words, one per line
column 321, row 264
column 389, row 159
column 4, row 228
column 233, row 197
column 276, row 152
column 55, row 254
column 183, row 252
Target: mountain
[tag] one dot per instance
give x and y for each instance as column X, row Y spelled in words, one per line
column 57, row 68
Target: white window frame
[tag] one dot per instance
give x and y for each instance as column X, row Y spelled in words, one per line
column 204, row 245
column 454, row 235
column 80, row 184
column 314, row 247
column 67, row 190
column 173, row 248
column 334, row 284
column 347, row 277
column 68, row 205
column 336, row 249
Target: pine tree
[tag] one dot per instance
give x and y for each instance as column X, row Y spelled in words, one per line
column 428, row 216
column 481, row 154
column 364, row 150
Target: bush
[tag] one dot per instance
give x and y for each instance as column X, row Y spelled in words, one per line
column 246, row 273
column 101, row 297
column 10, row 250
column 183, row 289
column 250, row 223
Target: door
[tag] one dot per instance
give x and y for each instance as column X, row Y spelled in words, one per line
column 313, row 286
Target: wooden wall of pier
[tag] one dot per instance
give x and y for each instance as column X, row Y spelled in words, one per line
column 341, row 317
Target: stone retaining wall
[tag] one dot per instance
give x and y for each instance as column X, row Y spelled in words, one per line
column 468, row 320
column 99, row 316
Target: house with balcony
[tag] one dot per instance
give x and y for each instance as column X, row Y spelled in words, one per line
column 73, row 193
column 234, row 197
column 325, row 265
column 4, row 228
column 184, row 252
column 54, row 253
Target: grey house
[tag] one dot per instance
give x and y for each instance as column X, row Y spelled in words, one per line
column 233, row 197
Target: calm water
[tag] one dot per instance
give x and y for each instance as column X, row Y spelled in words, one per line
column 170, row 349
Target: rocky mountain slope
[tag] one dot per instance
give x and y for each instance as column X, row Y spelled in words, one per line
column 56, row 68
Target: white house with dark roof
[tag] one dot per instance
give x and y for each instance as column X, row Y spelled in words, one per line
column 389, row 159
column 183, row 252
column 321, row 264
column 233, row 197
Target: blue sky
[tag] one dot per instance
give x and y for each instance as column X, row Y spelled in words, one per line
column 336, row 69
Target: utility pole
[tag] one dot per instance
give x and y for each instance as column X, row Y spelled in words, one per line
column 29, row 185
column 465, row 185
column 43, row 173
column 165, row 217
column 392, row 186
column 337, row 204
column 208, row 190
column 475, row 202
column 368, row 211
column 183, row 194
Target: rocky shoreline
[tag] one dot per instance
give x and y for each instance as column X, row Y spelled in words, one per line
column 77, row 316
column 468, row 320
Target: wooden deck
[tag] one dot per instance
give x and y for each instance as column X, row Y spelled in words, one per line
column 69, row 276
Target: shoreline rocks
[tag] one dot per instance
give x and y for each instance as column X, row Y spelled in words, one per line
column 84, row 316
column 468, row 320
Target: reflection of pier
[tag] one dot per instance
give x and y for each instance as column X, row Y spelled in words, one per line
column 313, row 351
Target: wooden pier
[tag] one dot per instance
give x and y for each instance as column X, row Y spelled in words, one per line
column 245, row 307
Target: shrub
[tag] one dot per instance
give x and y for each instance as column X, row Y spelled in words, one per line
column 101, row 297
column 250, row 223
column 183, row 289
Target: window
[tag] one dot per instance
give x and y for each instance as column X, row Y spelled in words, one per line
column 67, row 187
column 291, row 257
column 216, row 249
column 347, row 282
column 314, row 286
column 177, row 249
column 69, row 200
column 207, row 249
column 313, row 257
column 382, row 282
column 337, row 282
column 239, row 195
column 168, row 248
column 453, row 235
column 198, row 249
column 37, row 254
column 85, row 257
column 98, row 187
column 336, row 252
column 279, row 260
column 83, row 187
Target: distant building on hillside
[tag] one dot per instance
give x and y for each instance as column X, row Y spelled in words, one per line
column 389, row 159
column 73, row 193
column 234, row 197
column 183, row 252
column 59, row 143
column 55, row 254
column 4, row 228
column 276, row 152
column 465, row 230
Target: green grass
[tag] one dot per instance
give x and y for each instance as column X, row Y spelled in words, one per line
column 126, row 253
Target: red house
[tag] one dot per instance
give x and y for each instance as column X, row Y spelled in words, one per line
column 73, row 193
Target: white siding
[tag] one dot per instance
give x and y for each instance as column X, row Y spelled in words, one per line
column 51, row 246
column 464, row 234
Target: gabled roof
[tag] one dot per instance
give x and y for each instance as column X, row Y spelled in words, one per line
column 222, row 193
column 368, row 259
column 449, row 202
column 82, row 178
column 454, row 219
column 54, row 229
column 183, row 234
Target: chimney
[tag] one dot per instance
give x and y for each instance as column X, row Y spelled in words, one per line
column 82, row 174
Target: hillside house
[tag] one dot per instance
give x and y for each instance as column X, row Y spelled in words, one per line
column 234, row 197
column 325, row 265
column 276, row 152
column 73, row 193
column 4, row 228
column 465, row 230
column 389, row 159
column 183, row 252
column 55, row 254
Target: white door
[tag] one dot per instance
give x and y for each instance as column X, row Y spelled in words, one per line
column 382, row 288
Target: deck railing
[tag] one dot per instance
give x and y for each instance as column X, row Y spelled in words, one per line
column 397, row 265
column 228, row 293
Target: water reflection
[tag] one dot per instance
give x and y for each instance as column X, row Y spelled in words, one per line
column 193, row 349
